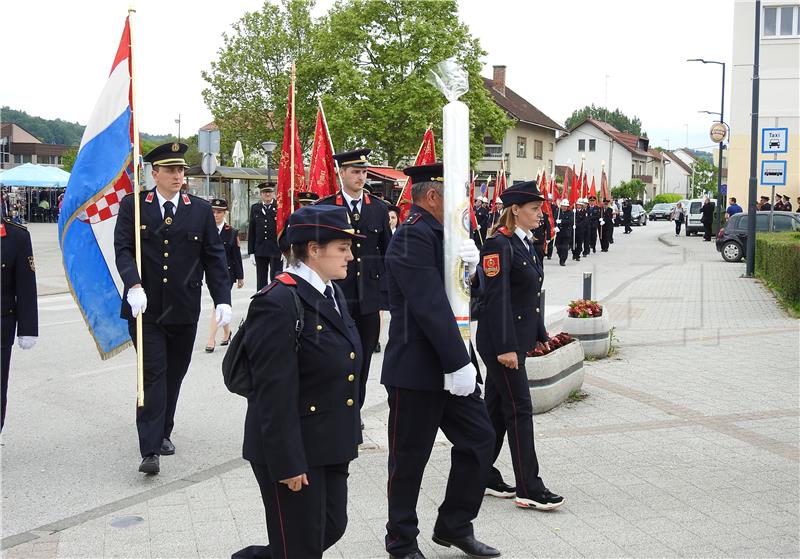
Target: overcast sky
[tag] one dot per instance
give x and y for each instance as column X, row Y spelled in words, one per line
column 58, row 54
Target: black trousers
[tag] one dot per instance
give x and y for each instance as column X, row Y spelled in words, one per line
column 627, row 224
column 8, row 327
column 414, row 418
column 706, row 231
column 550, row 245
column 678, row 225
column 508, row 400
column 605, row 236
column 563, row 252
column 369, row 329
column 577, row 249
column 301, row 524
column 167, row 354
column 593, row 230
column 266, row 269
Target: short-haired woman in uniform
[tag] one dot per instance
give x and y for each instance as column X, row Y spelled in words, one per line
column 303, row 423
column 511, row 323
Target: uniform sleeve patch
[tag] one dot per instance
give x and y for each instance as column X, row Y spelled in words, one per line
column 491, row 265
column 31, row 263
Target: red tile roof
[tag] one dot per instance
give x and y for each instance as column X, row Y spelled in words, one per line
column 519, row 108
column 627, row 140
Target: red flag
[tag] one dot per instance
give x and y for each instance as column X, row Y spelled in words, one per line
column 573, row 192
column 291, row 174
column 473, row 222
column 546, row 208
column 425, row 156
column 500, row 184
column 585, row 187
column 604, row 184
column 593, row 190
column 322, row 178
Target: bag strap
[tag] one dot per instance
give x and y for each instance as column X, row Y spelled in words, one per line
column 298, row 326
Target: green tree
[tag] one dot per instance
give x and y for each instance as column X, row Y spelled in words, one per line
column 367, row 60
column 616, row 118
column 68, row 159
column 633, row 190
column 704, row 179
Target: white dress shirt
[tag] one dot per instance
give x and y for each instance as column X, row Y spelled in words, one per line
column 349, row 200
column 302, row 270
column 174, row 201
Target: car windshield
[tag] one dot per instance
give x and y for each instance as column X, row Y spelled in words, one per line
column 638, row 208
column 661, row 207
column 695, row 207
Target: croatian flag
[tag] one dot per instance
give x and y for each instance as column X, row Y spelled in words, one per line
column 101, row 177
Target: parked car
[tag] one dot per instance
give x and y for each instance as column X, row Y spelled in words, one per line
column 732, row 238
column 661, row 211
column 638, row 215
column 693, row 215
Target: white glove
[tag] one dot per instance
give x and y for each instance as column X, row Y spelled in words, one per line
column 253, row 259
column 558, row 221
column 462, row 381
column 602, row 222
column 224, row 314
column 137, row 299
column 26, row 342
column 558, row 229
column 469, row 253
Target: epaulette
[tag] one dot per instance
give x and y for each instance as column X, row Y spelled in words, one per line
column 504, row 231
column 412, row 219
column 283, row 278
column 367, row 199
column 9, row 221
column 150, row 196
column 186, row 199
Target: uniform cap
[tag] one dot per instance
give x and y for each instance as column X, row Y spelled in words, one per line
column 425, row 173
column 521, row 193
column 320, row 223
column 168, row 155
column 265, row 187
column 355, row 158
column 307, row 197
column 219, row 204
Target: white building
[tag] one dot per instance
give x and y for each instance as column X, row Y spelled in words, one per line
column 626, row 156
column 678, row 174
column 779, row 92
column 528, row 146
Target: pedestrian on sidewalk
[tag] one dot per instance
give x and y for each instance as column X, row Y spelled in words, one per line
column 233, row 255
column 678, row 215
column 510, row 325
column 430, row 382
column 179, row 243
column 707, row 217
column 302, row 426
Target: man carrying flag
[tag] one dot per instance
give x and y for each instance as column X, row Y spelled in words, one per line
column 362, row 286
column 180, row 243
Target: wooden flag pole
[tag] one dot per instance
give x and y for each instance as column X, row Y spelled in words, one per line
column 291, row 146
column 137, row 218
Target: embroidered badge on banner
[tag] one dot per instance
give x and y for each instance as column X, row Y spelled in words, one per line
column 491, row 265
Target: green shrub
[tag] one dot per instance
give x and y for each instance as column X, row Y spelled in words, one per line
column 663, row 199
column 778, row 264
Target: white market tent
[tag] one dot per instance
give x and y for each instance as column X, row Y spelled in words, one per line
column 33, row 175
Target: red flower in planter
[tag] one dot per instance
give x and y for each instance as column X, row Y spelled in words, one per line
column 584, row 308
column 557, row 341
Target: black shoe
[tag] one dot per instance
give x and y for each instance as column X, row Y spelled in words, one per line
column 167, row 448
column 413, row 555
column 562, row 264
column 378, row 348
column 226, row 342
column 594, row 250
column 545, row 500
column 469, row 545
column 604, row 250
column 501, row 489
column 150, row 464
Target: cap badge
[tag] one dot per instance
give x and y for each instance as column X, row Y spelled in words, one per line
column 176, row 147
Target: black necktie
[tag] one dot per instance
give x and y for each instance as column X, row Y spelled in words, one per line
column 354, row 203
column 329, row 296
column 531, row 249
column 169, row 213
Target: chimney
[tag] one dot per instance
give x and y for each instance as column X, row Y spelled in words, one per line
column 499, row 79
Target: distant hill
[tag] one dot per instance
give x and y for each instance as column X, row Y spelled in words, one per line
column 59, row 131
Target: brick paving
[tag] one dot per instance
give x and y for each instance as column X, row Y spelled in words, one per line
column 686, row 446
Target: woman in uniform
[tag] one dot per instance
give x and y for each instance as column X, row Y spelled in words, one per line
column 302, row 425
column 230, row 239
column 511, row 324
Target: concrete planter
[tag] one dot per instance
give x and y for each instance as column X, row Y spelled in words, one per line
column 593, row 333
column 554, row 376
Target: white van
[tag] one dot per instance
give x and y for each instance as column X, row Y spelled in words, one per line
column 693, row 215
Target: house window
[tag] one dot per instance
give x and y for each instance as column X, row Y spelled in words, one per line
column 655, row 171
column 492, row 151
column 581, row 145
column 592, row 144
column 538, row 148
column 550, row 147
column 522, row 147
column 781, row 21
column 633, row 170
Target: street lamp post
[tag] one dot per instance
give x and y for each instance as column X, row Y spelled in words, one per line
column 720, row 200
column 269, row 147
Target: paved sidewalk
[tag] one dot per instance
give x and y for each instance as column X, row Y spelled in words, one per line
column 687, row 445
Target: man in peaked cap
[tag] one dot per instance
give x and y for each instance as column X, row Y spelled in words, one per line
column 430, row 382
column 262, row 237
column 179, row 243
column 595, row 213
column 362, row 286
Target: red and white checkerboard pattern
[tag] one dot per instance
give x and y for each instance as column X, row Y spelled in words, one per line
column 107, row 206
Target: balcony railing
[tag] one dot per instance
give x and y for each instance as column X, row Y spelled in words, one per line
column 647, row 179
column 492, row 151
